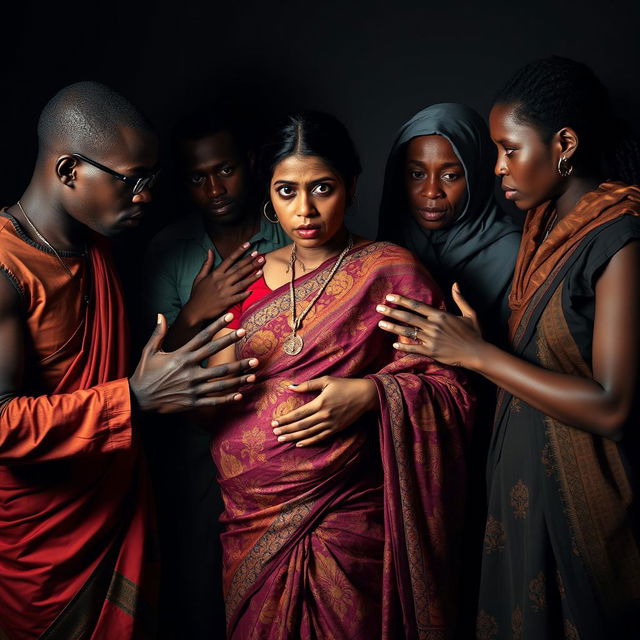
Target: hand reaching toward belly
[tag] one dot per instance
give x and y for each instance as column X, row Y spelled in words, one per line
column 340, row 403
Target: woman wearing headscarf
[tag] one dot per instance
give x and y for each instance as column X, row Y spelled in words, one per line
column 438, row 201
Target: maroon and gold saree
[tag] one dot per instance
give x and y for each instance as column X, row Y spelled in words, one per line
column 356, row 537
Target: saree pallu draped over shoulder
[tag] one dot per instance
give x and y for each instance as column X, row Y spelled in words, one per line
column 357, row 536
column 560, row 546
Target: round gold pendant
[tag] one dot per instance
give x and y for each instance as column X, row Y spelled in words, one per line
column 293, row 345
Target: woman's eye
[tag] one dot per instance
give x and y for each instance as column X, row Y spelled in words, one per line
column 417, row 175
column 227, row 171
column 285, row 191
column 322, row 189
column 508, row 151
column 197, row 179
column 451, row 177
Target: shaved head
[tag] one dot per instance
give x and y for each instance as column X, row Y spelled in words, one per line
column 86, row 117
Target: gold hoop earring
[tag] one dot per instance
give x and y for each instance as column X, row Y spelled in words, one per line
column 264, row 213
column 564, row 168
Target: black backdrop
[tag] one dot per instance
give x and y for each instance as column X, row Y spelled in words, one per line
column 373, row 64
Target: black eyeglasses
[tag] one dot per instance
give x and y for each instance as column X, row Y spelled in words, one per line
column 139, row 184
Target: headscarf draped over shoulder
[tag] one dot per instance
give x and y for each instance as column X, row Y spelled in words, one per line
column 479, row 250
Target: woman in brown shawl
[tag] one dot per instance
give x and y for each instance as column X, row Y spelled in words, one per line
column 560, row 555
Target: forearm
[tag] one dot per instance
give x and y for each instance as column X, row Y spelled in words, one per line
column 579, row 402
column 55, row 427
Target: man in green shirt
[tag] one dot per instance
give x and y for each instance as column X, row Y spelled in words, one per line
column 196, row 269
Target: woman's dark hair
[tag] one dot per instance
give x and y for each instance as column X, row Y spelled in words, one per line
column 312, row 133
column 556, row 92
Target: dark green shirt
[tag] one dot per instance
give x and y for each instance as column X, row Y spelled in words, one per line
column 177, row 253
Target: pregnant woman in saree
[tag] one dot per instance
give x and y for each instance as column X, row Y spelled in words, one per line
column 342, row 469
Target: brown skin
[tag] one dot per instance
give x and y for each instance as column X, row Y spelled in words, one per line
column 601, row 405
column 435, row 182
column 65, row 199
column 305, row 191
column 216, row 175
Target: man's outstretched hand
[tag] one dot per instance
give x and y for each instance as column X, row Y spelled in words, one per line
column 169, row 382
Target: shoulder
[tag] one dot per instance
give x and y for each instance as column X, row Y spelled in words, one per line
column 388, row 254
column 176, row 237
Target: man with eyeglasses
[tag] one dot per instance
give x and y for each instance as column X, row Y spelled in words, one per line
column 76, row 555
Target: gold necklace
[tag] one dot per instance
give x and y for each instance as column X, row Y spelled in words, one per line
column 45, row 241
column 294, row 344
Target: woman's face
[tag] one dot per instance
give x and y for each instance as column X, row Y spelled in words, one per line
column 435, row 182
column 526, row 164
column 309, row 198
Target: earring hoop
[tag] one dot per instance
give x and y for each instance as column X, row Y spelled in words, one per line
column 564, row 168
column 264, row 213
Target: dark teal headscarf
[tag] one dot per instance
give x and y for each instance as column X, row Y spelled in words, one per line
column 479, row 249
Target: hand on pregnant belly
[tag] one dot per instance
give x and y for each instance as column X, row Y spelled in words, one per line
column 340, row 403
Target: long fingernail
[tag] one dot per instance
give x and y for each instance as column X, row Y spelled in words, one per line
column 383, row 324
column 246, row 245
column 250, row 378
column 253, row 362
column 259, row 272
column 396, row 345
column 228, row 317
column 275, row 423
column 260, row 259
column 381, row 308
column 392, row 298
column 240, row 332
column 254, row 254
column 282, row 438
column 238, row 396
column 277, row 432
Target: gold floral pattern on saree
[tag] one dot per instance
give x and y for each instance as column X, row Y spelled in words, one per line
column 271, row 392
column 285, row 525
column 519, row 495
column 334, row 585
column 262, row 343
column 516, row 624
column 253, row 449
column 229, row 464
column 570, row 631
column 537, row 592
column 495, row 536
column 486, row 626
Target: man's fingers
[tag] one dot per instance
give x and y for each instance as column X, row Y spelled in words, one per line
column 205, row 335
column 225, row 370
column 218, row 386
column 232, row 258
column 213, row 347
column 154, row 344
column 244, row 267
column 206, row 267
column 208, row 401
column 405, row 316
column 243, row 284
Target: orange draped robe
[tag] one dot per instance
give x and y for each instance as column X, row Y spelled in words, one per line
column 74, row 508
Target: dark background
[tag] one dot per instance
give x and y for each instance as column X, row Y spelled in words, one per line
column 373, row 64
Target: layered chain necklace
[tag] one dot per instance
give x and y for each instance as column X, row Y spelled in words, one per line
column 294, row 344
